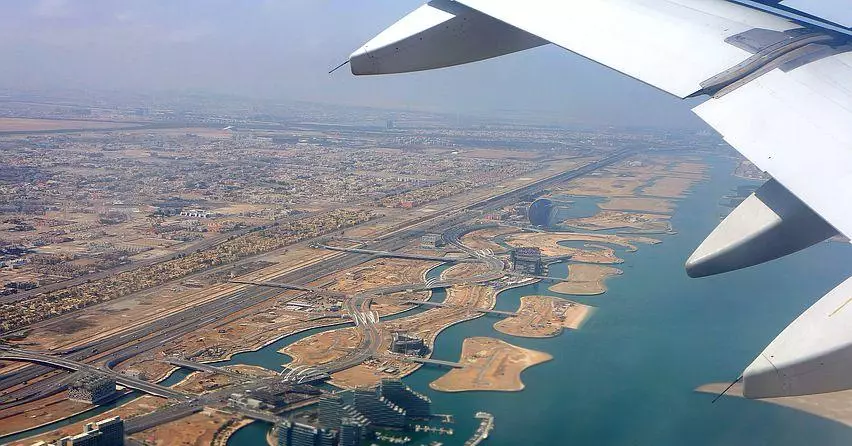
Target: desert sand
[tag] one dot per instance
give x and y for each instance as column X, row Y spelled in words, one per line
column 489, row 364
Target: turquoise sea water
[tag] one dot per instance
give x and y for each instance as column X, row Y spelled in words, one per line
column 627, row 377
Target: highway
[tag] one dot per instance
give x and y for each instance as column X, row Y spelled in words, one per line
column 438, row 362
column 397, row 255
column 13, row 354
column 293, row 286
column 133, row 342
column 140, row 339
column 478, row 310
column 161, row 416
column 365, row 319
column 201, row 367
column 190, row 248
column 514, row 195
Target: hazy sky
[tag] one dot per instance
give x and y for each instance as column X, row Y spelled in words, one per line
column 284, row 48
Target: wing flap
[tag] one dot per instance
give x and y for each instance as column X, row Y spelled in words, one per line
column 796, row 125
column 673, row 45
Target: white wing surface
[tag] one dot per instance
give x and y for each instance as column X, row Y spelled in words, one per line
column 796, row 124
column 672, row 45
column 778, row 89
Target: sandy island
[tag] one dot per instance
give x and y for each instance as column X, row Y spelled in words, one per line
column 635, row 221
column 463, row 270
column 641, row 204
column 544, row 317
column 331, row 345
column 669, row 187
column 585, row 280
column 323, row 347
column 548, row 242
column 835, row 406
column 489, row 364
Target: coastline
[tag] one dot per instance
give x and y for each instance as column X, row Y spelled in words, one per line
column 528, row 322
column 478, row 354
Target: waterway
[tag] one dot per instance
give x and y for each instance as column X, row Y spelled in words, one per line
column 627, row 377
column 270, row 358
column 173, row 378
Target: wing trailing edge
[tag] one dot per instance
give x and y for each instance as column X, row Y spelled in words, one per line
column 439, row 34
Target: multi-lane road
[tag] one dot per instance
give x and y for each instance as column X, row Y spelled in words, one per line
column 13, row 354
column 140, row 339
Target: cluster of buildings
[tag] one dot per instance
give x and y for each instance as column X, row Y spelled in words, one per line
column 274, row 397
column 408, row 345
column 345, row 418
column 109, row 432
column 120, row 183
column 298, row 434
column 276, row 236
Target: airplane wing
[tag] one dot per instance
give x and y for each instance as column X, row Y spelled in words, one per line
column 834, row 13
column 778, row 88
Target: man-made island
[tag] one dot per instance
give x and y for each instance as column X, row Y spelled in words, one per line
column 489, row 364
column 544, row 317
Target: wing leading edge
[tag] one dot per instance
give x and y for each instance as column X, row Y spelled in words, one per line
column 778, row 91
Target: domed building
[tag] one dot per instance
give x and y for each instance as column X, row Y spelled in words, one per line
column 541, row 212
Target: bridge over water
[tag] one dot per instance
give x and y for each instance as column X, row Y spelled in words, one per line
column 478, row 310
column 13, row 354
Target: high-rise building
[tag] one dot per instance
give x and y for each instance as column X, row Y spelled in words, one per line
column 112, row 431
column 408, row 345
column 352, row 431
column 330, row 411
column 379, row 410
column 326, row 438
column 109, row 432
column 527, row 260
column 298, row 434
column 284, row 432
column 303, row 435
column 416, row 405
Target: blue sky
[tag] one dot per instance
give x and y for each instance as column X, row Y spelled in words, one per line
column 283, row 49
